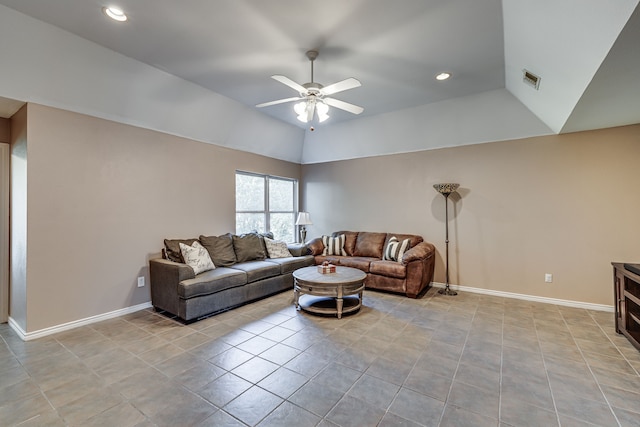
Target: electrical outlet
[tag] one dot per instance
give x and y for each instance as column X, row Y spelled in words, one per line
column 548, row 277
column 141, row 281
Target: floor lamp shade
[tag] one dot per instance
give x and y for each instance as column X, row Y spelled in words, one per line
column 446, row 189
column 303, row 220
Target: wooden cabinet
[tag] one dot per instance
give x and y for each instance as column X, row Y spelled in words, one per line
column 626, row 287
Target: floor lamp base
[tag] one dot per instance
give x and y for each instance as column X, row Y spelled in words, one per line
column 447, row 291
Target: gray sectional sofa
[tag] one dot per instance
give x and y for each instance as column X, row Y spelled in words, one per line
column 244, row 272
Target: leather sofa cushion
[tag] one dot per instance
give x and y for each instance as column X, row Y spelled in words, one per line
column 349, row 242
column 258, row 270
column 211, row 281
column 388, row 269
column 288, row 265
column 357, row 262
column 370, row 244
column 220, row 249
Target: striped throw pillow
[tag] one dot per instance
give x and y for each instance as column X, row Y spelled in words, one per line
column 334, row 245
column 395, row 249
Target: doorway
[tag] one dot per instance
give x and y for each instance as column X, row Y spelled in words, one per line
column 5, row 156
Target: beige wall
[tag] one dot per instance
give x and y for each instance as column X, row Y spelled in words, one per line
column 101, row 198
column 563, row 204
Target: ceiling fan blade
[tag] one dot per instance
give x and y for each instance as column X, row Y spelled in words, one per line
column 279, row 101
column 344, row 105
column 345, row 84
column 287, row 81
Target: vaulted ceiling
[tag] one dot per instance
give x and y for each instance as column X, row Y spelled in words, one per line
column 585, row 51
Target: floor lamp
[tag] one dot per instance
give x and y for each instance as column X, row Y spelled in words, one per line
column 446, row 190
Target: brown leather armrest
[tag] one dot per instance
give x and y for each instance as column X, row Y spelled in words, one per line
column 420, row 251
column 315, row 246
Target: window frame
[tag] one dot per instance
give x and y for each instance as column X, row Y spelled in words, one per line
column 266, row 211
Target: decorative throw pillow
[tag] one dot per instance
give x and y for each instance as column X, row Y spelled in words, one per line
column 220, row 249
column 395, row 249
column 333, row 245
column 172, row 248
column 248, row 247
column 196, row 257
column 277, row 248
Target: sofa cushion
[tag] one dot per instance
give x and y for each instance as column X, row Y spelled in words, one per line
column 172, row 248
column 370, row 244
column 388, row 269
column 298, row 249
column 220, row 249
column 361, row 263
column 333, row 245
column 257, row 270
column 210, row 282
column 276, row 248
column 288, row 265
column 248, row 247
column 395, row 249
column 196, row 257
column 350, row 238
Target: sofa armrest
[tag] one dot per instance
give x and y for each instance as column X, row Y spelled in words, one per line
column 297, row 249
column 420, row 251
column 315, row 246
column 164, row 278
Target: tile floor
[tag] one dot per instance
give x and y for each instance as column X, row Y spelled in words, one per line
column 468, row 360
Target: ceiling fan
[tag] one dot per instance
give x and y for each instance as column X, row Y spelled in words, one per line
column 314, row 96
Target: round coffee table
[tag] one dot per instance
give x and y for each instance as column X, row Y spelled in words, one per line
column 332, row 286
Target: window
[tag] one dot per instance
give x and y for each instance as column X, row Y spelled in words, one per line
column 266, row 203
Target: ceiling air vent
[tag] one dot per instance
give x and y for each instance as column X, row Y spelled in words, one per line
column 531, row 79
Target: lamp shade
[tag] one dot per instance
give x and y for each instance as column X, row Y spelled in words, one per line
column 303, row 219
column 446, row 188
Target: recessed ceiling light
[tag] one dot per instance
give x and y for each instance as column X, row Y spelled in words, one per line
column 443, row 76
column 115, row 13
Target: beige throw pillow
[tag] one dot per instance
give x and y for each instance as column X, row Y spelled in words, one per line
column 196, row 257
column 277, row 248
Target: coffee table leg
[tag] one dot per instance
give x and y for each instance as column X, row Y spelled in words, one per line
column 296, row 297
column 339, row 302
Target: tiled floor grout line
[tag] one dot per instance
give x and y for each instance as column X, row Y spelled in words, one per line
column 455, row 372
column 546, row 372
column 589, row 366
column 624, row 356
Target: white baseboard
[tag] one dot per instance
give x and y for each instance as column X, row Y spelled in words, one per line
column 563, row 302
column 27, row 336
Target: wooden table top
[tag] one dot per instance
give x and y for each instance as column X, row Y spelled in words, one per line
column 343, row 275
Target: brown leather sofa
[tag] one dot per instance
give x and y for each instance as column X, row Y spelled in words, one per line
column 365, row 252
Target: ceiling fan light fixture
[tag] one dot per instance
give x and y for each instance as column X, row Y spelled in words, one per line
column 300, row 108
column 323, row 111
column 115, row 13
column 443, row 76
